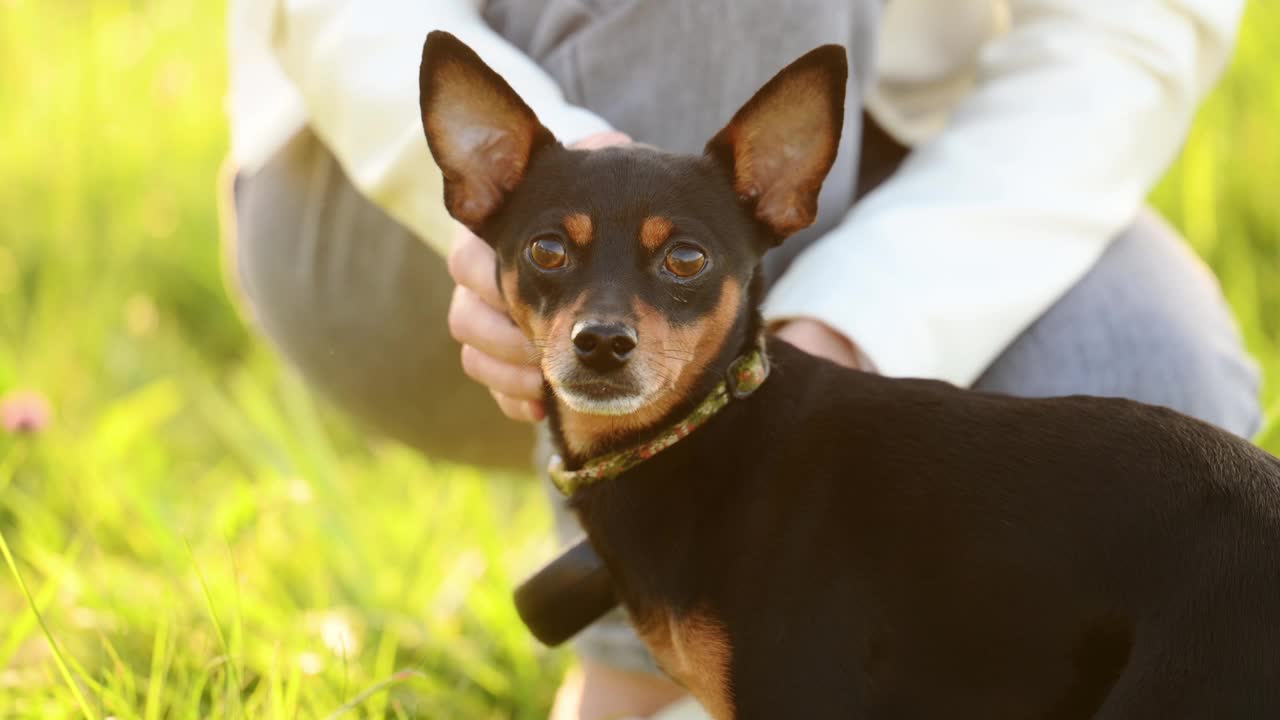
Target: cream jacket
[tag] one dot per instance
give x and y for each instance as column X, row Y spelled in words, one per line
column 1039, row 125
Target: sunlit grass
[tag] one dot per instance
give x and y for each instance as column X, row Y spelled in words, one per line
column 200, row 539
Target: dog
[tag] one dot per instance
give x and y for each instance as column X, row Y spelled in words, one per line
column 796, row 539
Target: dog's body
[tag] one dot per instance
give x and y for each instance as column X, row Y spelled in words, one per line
column 838, row 544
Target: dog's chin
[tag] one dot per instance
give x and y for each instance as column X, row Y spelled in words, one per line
column 595, row 400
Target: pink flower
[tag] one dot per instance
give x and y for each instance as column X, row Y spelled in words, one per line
column 24, row 411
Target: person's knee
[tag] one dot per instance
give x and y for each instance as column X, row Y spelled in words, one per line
column 357, row 306
column 1150, row 354
column 1147, row 323
column 1208, row 378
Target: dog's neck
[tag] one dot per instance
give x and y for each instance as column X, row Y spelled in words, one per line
column 579, row 436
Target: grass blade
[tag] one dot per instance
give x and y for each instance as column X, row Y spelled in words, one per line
column 233, row 680
column 159, row 669
column 355, row 702
column 48, row 635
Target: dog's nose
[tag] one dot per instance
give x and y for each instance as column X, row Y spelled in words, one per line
column 603, row 345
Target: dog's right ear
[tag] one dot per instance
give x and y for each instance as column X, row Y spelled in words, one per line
column 481, row 133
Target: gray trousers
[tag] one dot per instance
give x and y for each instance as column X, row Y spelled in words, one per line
column 357, row 304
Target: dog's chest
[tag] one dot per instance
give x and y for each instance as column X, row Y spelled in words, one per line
column 646, row 539
column 694, row 649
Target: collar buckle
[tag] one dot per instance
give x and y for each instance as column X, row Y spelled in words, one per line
column 747, row 373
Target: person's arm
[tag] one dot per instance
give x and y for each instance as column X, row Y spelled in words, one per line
column 1076, row 113
column 355, row 63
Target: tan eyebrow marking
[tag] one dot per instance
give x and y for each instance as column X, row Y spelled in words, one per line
column 655, row 232
column 580, row 229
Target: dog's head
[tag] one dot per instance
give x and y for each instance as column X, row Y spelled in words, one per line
column 630, row 269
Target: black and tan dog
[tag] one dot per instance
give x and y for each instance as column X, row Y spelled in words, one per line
column 827, row 543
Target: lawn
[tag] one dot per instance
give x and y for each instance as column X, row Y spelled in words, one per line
column 199, row 537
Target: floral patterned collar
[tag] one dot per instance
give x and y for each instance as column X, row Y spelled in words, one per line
column 744, row 376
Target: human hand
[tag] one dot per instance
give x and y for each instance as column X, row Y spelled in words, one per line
column 495, row 353
column 817, row 338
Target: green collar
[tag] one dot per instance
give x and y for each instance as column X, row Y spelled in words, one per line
column 744, row 376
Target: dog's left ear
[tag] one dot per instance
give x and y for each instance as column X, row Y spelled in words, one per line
column 481, row 133
column 782, row 143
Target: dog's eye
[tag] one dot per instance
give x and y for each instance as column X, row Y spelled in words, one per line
column 548, row 253
column 685, row 261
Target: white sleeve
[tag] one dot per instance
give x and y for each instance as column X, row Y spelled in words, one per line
column 355, row 63
column 1076, row 113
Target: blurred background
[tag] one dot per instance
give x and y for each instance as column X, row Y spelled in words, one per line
column 185, row 531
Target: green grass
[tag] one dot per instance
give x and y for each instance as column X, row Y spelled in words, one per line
column 193, row 536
